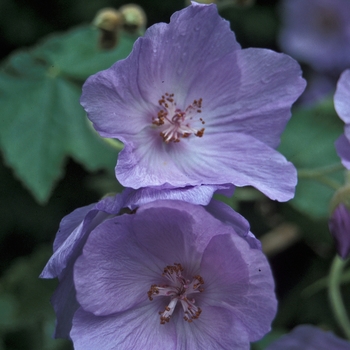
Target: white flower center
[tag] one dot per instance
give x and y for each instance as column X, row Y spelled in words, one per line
column 175, row 123
column 178, row 291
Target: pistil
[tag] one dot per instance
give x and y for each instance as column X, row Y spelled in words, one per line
column 178, row 290
column 175, row 123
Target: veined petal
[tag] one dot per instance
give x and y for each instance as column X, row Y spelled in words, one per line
column 215, row 329
column 192, row 194
column 69, row 223
column 127, row 272
column 226, row 215
column 136, row 329
column 69, row 244
column 342, row 146
column 65, row 304
column 309, row 337
column 251, row 93
column 242, row 160
column 216, row 159
column 239, row 279
column 342, row 97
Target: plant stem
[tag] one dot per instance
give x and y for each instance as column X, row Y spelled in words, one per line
column 114, row 143
column 323, row 283
column 307, row 173
column 335, row 297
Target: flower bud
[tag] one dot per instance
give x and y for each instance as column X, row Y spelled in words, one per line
column 108, row 21
column 339, row 222
column 134, row 18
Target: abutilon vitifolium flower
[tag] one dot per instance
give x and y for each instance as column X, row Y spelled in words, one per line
column 170, row 276
column 317, row 32
column 76, row 227
column 192, row 107
column 342, row 106
column 308, row 337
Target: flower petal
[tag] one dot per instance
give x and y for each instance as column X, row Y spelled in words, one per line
column 69, row 223
column 137, row 329
column 193, row 194
column 215, row 329
column 215, row 159
column 342, row 146
column 341, row 97
column 69, row 244
column 128, row 272
column 239, row 279
column 251, row 93
column 65, row 304
column 308, row 337
column 184, row 227
column 225, row 214
column 339, row 226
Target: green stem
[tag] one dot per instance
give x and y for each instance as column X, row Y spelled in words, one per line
column 335, row 297
column 307, row 173
column 323, row 283
column 334, row 185
column 114, row 143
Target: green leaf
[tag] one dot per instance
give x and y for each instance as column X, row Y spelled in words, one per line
column 308, row 142
column 41, row 120
column 268, row 339
column 27, row 318
column 76, row 54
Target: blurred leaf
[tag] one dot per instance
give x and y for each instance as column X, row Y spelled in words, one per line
column 76, row 53
column 301, row 308
column 308, row 142
column 41, row 120
column 8, row 306
column 27, row 318
column 268, row 339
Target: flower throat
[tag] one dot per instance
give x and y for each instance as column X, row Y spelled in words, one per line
column 178, row 291
column 175, row 123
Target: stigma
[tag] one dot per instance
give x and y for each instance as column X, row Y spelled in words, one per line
column 175, row 123
column 179, row 290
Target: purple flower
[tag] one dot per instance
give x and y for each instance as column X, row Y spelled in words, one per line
column 339, row 226
column 342, row 106
column 317, row 32
column 170, row 276
column 192, row 108
column 307, row 337
column 76, row 227
column 342, row 145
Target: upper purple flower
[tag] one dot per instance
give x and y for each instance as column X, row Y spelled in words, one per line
column 342, row 106
column 317, row 32
column 170, row 276
column 307, row 337
column 192, row 108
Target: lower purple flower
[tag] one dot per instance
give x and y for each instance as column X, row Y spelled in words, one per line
column 170, row 276
column 76, row 227
column 307, row 337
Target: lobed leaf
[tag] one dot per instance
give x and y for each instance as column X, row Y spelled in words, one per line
column 41, row 120
column 308, row 142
